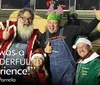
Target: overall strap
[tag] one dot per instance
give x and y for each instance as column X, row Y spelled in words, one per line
column 61, row 31
column 47, row 35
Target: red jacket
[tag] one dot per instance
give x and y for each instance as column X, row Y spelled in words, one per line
column 5, row 45
column 36, row 78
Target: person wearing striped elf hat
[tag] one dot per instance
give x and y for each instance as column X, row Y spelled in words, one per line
column 88, row 69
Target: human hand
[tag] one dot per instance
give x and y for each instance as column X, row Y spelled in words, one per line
column 6, row 34
column 97, row 13
column 48, row 48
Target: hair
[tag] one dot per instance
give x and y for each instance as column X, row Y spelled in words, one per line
column 98, row 51
column 23, row 10
column 41, row 68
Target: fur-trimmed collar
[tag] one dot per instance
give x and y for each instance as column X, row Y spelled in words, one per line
column 92, row 57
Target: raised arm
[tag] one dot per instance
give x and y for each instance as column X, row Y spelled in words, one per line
column 94, row 22
column 97, row 13
column 4, row 34
column 88, row 28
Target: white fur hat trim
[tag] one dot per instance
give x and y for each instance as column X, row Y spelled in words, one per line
column 35, row 55
column 84, row 40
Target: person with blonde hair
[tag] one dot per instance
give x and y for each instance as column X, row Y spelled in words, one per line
column 38, row 75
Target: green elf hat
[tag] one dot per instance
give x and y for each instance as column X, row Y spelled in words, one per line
column 82, row 39
column 54, row 16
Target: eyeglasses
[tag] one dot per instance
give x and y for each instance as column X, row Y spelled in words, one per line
column 82, row 47
column 25, row 19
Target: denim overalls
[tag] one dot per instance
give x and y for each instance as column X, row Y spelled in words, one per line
column 62, row 64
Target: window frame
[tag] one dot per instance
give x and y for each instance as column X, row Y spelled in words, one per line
column 47, row 9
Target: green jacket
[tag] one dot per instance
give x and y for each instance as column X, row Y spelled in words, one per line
column 88, row 71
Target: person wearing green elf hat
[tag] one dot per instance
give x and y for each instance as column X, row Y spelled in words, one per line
column 57, row 42
column 53, row 16
column 88, row 69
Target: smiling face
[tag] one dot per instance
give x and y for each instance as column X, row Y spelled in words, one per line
column 53, row 26
column 37, row 61
column 24, row 26
column 83, row 50
column 26, row 18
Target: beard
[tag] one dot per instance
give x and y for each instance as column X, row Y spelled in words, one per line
column 25, row 31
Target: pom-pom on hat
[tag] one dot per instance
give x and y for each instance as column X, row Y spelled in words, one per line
column 55, row 14
column 38, row 53
column 83, row 39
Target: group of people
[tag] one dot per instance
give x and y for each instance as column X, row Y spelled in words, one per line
column 51, row 55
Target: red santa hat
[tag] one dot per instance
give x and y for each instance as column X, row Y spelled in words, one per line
column 38, row 53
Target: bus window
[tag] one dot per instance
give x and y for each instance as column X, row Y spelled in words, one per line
column 44, row 4
column 87, row 4
column 12, row 4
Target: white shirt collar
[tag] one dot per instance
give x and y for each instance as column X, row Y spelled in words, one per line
column 92, row 57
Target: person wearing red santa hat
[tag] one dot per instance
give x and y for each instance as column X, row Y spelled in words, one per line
column 38, row 74
column 18, row 39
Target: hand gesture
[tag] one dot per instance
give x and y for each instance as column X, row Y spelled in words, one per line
column 48, row 48
column 6, row 34
column 97, row 13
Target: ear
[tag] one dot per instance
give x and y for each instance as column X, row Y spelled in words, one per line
column 59, row 10
column 51, row 9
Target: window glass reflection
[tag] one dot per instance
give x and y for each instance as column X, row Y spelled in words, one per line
column 87, row 4
column 12, row 4
column 44, row 4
